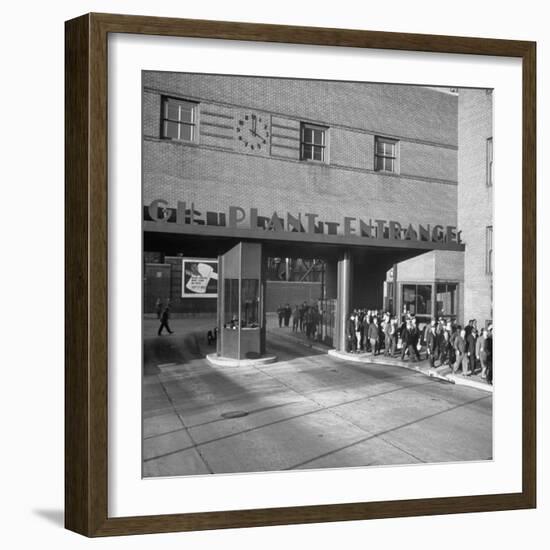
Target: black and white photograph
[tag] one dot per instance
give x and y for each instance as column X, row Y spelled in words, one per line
column 317, row 274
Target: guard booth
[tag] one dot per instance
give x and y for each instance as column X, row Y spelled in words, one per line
column 241, row 298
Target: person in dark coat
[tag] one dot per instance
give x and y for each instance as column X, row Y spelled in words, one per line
column 471, row 350
column 432, row 344
column 303, row 310
column 446, row 345
column 295, row 319
column 413, row 337
column 374, row 335
column 281, row 315
column 164, row 318
column 287, row 314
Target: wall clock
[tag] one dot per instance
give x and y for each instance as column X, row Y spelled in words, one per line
column 252, row 131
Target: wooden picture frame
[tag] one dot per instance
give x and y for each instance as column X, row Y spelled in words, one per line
column 86, row 282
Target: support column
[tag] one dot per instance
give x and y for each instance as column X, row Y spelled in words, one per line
column 331, row 279
column 344, row 283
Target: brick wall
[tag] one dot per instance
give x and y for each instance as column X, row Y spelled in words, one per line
column 279, row 293
column 217, row 171
column 408, row 111
column 475, row 199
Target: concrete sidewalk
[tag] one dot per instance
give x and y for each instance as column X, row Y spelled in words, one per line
column 443, row 372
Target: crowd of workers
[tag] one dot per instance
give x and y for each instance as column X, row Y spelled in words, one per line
column 306, row 318
column 442, row 342
column 464, row 348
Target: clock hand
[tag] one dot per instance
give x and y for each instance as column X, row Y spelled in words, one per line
column 255, row 134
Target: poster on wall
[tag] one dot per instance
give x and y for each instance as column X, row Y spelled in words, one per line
column 199, row 278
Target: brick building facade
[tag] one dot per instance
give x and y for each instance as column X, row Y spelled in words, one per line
column 475, row 201
column 340, row 150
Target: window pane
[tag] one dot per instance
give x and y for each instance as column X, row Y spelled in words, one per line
column 186, row 113
column 318, row 153
column 424, row 299
column 308, row 135
column 172, row 110
column 446, row 299
column 231, row 303
column 318, row 136
column 186, row 132
column 385, row 148
column 308, row 152
column 171, row 129
column 409, row 298
column 250, row 303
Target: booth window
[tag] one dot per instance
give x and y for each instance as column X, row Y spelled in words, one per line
column 446, row 300
column 250, row 303
column 417, row 300
column 313, row 142
column 231, row 305
column 179, row 119
column 385, row 154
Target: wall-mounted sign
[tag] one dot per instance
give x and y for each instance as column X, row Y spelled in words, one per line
column 199, row 278
column 236, row 217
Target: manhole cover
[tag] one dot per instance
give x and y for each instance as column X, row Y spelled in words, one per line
column 234, row 414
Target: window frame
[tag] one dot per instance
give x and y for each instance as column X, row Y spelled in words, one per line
column 394, row 157
column 324, row 147
column 489, row 250
column 422, row 317
column 194, row 124
column 489, row 162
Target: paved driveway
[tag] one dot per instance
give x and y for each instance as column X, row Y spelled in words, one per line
column 308, row 410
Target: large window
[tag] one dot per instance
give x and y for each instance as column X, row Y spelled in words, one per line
column 179, row 119
column 313, row 142
column 446, row 300
column 489, row 250
column 231, row 305
column 417, row 300
column 249, row 314
column 489, row 165
column 385, row 154
column 250, row 303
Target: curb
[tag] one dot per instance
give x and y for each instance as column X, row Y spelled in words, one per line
column 430, row 372
column 462, row 381
column 217, row 361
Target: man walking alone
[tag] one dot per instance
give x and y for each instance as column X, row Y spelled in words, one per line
column 165, row 316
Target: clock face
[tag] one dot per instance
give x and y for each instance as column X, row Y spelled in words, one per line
column 252, row 131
